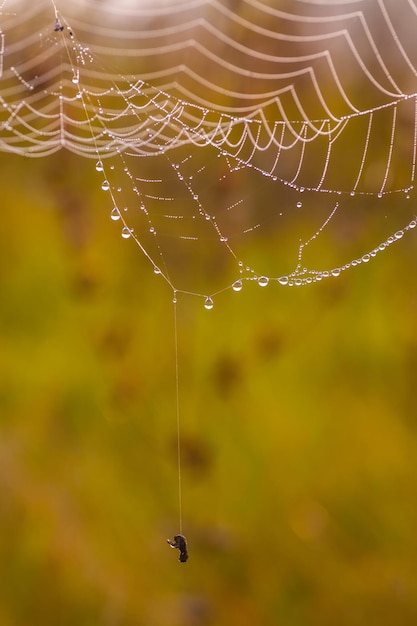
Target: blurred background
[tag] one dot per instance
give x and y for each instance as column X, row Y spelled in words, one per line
column 298, row 430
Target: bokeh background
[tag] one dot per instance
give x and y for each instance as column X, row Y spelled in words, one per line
column 298, row 430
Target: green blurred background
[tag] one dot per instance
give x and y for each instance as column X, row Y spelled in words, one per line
column 298, row 430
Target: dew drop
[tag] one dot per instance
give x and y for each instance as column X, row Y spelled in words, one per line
column 99, row 166
column 237, row 285
column 299, row 205
column 126, row 232
column 208, row 304
column 399, row 234
column 115, row 214
column 105, row 186
column 366, row 258
column 283, row 280
column 263, row 281
column 336, row 272
column 75, row 80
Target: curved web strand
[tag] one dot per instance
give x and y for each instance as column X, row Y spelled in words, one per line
column 275, row 140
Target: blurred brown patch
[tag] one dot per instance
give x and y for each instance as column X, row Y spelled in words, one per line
column 226, row 374
column 270, row 342
column 195, row 454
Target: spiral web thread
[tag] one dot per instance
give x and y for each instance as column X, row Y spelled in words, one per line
column 246, row 127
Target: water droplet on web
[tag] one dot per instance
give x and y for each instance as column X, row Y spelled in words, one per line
column 105, row 186
column 75, row 80
column 115, row 214
column 208, row 304
column 336, row 272
column 237, row 285
column 99, row 166
column 366, row 258
column 399, row 234
column 299, row 205
column 126, row 232
column 283, row 280
column 263, row 281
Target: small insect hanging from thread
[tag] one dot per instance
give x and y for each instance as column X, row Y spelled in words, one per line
column 58, row 25
column 180, row 543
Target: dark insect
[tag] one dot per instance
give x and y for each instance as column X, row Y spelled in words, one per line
column 180, row 543
column 58, row 26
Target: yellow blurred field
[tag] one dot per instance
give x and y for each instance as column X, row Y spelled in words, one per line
column 297, row 420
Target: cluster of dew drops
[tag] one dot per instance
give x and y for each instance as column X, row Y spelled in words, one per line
column 297, row 278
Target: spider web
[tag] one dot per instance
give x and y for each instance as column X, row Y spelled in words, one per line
column 234, row 141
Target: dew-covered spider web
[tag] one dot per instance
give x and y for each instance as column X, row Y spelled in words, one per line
column 235, row 141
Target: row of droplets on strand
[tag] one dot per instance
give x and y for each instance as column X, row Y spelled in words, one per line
column 299, row 277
